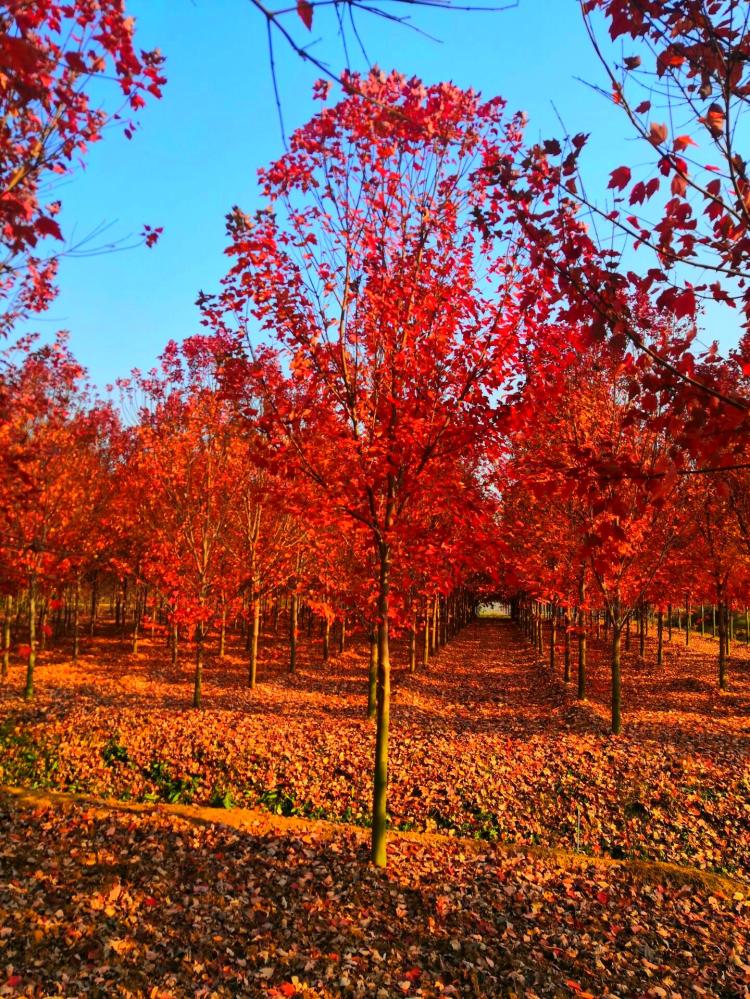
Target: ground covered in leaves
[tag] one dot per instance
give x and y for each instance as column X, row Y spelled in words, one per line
column 484, row 744
column 103, row 902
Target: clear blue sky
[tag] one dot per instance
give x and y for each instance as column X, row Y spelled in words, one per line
column 197, row 150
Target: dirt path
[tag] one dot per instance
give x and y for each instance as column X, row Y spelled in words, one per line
column 485, row 680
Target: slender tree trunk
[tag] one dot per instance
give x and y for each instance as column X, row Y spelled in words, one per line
column 223, row 632
column 642, row 632
column 293, row 633
column 31, row 662
column 540, row 632
column 687, row 621
column 669, row 622
column 7, row 625
column 43, row 614
column 552, row 639
column 342, row 635
column 254, row 633
column 581, row 642
column 124, row 607
column 730, row 627
column 326, row 640
column 76, row 602
column 413, row 645
column 426, row 638
column 380, row 781
column 566, row 664
column 616, row 677
column 136, row 620
column 94, row 605
column 198, row 688
column 175, row 642
column 434, row 634
column 372, row 687
column 722, row 647
column 660, row 638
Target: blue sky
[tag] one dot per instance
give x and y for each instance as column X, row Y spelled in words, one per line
column 197, row 150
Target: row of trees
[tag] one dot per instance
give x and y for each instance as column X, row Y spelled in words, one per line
column 181, row 518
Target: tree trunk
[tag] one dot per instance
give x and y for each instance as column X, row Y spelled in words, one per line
column 326, row 640
column 254, row 633
column 581, row 642
column 687, row 622
column 94, row 606
column 730, row 628
column 380, row 778
column 31, row 662
column 43, row 614
column 198, row 689
column 566, row 664
column 660, row 638
column 223, row 632
column 642, row 632
column 426, row 638
column 342, row 635
column 7, row 623
column 722, row 647
column 413, row 645
column 124, row 607
column 616, row 677
column 76, row 602
column 175, row 642
column 293, row 633
column 539, row 632
column 372, row 688
column 552, row 639
column 669, row 622
column 136, row 621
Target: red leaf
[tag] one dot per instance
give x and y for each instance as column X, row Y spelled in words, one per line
column 305, row 11
column 684, row 303
column 46, row 226
column 620, row 178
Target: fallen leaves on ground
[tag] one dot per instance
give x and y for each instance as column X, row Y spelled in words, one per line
column 484, row 744
column 101, row 902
